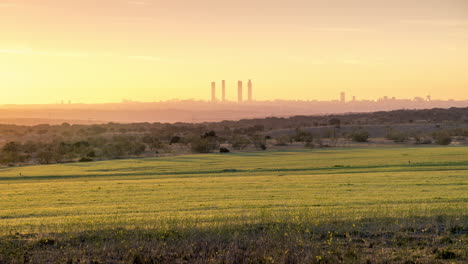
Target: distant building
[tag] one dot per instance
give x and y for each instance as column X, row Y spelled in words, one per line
column 223, row 90
column 354, row 98
column 343, row 97
column 249, row 85
column 429, row 98
column 213, row 92
column 239, row 92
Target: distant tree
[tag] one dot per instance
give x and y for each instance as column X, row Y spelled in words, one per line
column 224, row 150
column 335, row 122
column 31, row 147
column 203, row 145
column 259, row 142
column 239, row 142
column 301, row 135
column 309, row 143
column 152, row 141
column 12, row 147
column 46, row 157
column 211, row 134
column 175, row 140
column 360, row 136
column 397, row 136
column 96, row 130
column 442, row 138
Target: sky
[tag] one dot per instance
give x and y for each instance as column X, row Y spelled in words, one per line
column 91, row 51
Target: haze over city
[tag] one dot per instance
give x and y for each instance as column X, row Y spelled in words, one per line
column 233, row 131
column 106, row 51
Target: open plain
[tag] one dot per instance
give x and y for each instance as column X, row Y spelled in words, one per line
column 355, row 205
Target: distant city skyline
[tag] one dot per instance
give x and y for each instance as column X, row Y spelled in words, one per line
column 341, row 98
column 153, row 50
column 204, row 111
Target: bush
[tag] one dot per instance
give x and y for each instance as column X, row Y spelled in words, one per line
column 46, row 157
column 175, row 140
column 152, row 141
column 259, row 142
column 224, row 150
column 309, row 143
column 360, row 136
column 85, row 160
column 335, row 122
column 445, row 254
column 397, row 136
column 302, row 136
column 13, row 158
column 210, row 134
column 239, row 142
column 203, row 145
column 12, row 147
column 442, row 138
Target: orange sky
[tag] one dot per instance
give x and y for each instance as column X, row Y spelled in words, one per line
column 149, row 50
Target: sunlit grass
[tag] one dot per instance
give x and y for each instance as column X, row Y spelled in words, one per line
column 326, row 185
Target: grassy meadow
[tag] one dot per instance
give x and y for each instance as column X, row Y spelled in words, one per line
column 356, row 205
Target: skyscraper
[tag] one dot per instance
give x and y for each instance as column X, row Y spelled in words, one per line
column 249, row 85
column 239, row 91
column 223, row 91
column 343, row 97
column 213, row 92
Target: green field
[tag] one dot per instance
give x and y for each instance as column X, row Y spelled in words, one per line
column 317, row 187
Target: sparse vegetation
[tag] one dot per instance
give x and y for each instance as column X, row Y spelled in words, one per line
column 397, row 136
column 48, row 144
column 359, row 136
column 442, row 138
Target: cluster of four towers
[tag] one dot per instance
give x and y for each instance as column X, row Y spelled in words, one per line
column 240, row 98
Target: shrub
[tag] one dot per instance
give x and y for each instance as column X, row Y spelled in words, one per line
column 259, row 142
column 175, row 140
column 46, row 157
column 301, row 136
column 153, row 141
column 210, row 134
column 12, row 147
column 397, row 136
column 360, row 136
column 203, row 145
column 309, row 143
column 239, row 142
column 85, row 160
column 13, row 158
column 445, row 254
column 224, row 150
column 442, row 138
column 335, row 122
